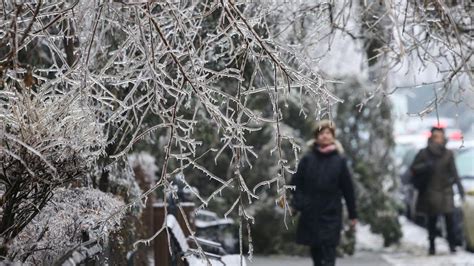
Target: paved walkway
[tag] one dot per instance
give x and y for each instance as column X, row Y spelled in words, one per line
column 359, row 259
column 411, row 251
column 365, row 258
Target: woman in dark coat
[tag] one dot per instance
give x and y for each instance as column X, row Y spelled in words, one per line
column 434, row 172
column 321, row 180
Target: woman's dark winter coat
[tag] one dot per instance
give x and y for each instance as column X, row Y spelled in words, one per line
column 436, row 196
column 321, row 180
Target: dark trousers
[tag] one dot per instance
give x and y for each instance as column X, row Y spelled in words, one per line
column 323, row 255
column 433, row 231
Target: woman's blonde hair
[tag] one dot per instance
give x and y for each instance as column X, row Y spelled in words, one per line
column 322, row 125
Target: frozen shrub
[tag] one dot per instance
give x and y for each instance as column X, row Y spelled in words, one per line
column 47, row 140
column 146, row 163
column 67, row 219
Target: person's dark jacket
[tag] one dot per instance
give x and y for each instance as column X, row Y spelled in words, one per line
column 321, row 180
column 436, row 164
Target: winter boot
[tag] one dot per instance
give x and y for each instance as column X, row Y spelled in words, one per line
column 452, row 248
column 432, row 249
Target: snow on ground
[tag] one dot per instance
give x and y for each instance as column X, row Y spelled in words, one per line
column 366, row 240
column 413, row 250
column 413, row 247
column 362, row 258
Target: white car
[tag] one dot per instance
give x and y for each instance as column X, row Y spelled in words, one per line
column 465, row 167
column 206, row 219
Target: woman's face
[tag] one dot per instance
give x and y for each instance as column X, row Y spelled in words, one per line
column 325, row 137
column 438, row 137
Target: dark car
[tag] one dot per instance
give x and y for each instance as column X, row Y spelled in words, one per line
column 405, row 153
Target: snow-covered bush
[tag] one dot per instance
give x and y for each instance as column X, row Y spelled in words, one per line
column 367, row 139
column 62, row 224
column 121, row 181
column 146, row 163
column 47, row 140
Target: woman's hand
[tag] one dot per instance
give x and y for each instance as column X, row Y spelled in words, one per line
column 353, row 223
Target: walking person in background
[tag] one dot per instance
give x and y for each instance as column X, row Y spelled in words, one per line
column 321, row 180
column 433, row 174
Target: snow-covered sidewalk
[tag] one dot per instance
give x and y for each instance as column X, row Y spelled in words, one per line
column 412, row 250
column 413, row 247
